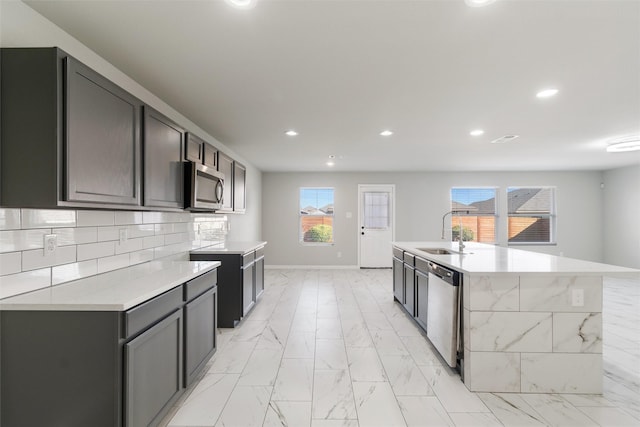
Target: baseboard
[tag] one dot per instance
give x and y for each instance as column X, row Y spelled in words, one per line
column 311, row 267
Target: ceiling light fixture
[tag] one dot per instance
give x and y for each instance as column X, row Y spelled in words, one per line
column 386, row 133
column 478, row 3
column 331, row 156
column 476, row 132
column 242, row 4
column 291, row 132
column 503, row 139
column 330, row 164
column 621, row 145
column 546, row 93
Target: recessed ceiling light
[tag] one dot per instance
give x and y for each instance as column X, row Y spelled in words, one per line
column 330, row 163
column 242, row 4
column 478, row 3
column 331, row 156
column 476, row 132
column 386, row 133
column 547, row 93
column 291, row 132
column 503, row 139
column 620, row 145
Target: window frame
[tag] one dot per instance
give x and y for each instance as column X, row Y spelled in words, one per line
column 301, row 216
column 552, row 216
column 496, row 223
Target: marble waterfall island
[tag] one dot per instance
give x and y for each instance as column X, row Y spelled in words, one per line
column 532, row 323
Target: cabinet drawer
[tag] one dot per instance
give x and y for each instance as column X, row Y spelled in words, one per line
column 409, row 259
column 147, row 313
column 259, row 253
column 248, row 259
column 197, row 286
column 422, row 265
column 398, row 253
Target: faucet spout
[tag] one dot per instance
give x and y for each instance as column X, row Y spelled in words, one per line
column 458, row 211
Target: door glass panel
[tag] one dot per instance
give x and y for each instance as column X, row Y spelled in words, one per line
column 376, row 210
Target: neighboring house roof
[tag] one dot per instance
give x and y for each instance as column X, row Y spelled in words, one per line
column 328, row 209
column 530, row 201
column 310, row 210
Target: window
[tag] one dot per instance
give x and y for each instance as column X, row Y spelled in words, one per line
column 474, row 210
column 376, row 210
column 316, row 215
column 531, row 215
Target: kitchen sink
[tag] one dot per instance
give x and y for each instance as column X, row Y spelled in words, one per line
column 437, row 251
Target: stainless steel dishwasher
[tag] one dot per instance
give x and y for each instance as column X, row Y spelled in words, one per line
column 442, row 311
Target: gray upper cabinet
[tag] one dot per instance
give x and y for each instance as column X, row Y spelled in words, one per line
column 194, row 148
column 210, row 156
column 103, row 139
column 69, row 136
column 225, row 165
column 163, row 176
column 239, row 183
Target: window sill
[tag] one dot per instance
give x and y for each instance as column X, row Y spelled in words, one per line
column 532, row 244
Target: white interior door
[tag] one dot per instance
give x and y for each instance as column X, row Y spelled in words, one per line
column 376, row 225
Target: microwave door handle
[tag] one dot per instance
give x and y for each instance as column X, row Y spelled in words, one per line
column 219, row 191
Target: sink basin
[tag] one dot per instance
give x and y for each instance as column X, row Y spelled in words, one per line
column 437, row 251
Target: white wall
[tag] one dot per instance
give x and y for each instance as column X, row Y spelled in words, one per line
column 21, row 26
column 622, row 216
column 421, row 200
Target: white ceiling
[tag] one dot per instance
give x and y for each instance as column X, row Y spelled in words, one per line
column 339, row 72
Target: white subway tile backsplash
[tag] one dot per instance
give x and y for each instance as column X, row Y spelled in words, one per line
column 130, row 245
column 141, row 230
column 95, row 218
column 96, row 250
column 10, row 263
column 113, row 263
column 89, row 242
column 15, row 284
column 73, row 271
column 22, row 240
column 171, row 239
column 48, row 218
column 9, row 219
column 36, row 258
column 152, row 241
column 76, row 236
column 128, row 218
column 109, row 233
column 140, row 256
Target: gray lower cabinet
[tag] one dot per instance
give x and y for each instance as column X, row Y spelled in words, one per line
column 153, row 372
column 105, row 368
column 70, row 137
column 200, row 333
column 422, row 293
column 240, row 283
column 409, row 289
column 398, row 279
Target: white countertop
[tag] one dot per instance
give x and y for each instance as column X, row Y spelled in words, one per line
column 230, row 248
column 117, row 290
column 490, row 259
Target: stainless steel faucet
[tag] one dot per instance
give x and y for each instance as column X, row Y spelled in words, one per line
column 458, row 211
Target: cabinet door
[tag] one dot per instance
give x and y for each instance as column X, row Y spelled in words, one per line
column 210, row 155
column 259, row 276
column 409, row 289
column 163, row 177
column 398, row 280
column 200, row 333
column 239, row 187
column 194, row 149
column 102, row 149
column 153, row 372
column 225, row 165
column 422, row 295
column 248, row 290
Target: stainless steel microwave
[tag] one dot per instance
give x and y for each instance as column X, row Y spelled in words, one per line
column 204, row 187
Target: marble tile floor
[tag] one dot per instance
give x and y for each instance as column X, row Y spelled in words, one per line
column 330, row 348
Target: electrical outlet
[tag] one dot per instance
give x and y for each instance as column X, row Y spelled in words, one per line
column 50, row 244
column 123, row 235
column 577, row 298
